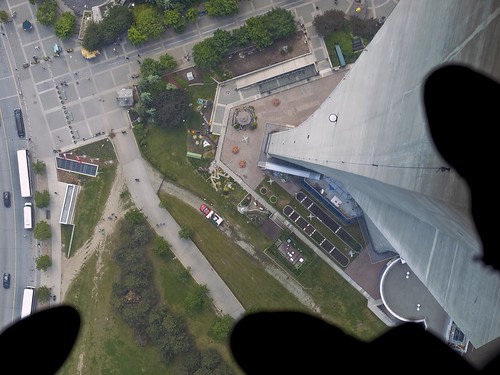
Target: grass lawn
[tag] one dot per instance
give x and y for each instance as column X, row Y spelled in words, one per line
column 252, row 285
column 343, row 39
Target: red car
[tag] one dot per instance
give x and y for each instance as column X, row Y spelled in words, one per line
column 205, row 210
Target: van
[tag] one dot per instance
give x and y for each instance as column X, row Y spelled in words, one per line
column 28, row 216
column 18, row 115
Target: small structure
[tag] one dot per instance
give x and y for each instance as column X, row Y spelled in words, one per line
column 243, row 117
column 89, row 54
column 340, row 55
column 96, row 14
column 27, row 25
column 125, row 97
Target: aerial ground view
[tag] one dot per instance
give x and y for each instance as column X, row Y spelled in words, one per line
column 145, row 125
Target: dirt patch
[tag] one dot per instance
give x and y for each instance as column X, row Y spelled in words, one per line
column 249, row 60
column 71, row 266
column 176, row 78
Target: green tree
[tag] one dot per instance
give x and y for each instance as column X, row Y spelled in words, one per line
column 258, row 31
column 329, row 22
column 222, row 7
column 151, row 67
column 185, row 233
column 152, row 84
column 135, row 216
column 175, row 19
column 139, row 236
column 167, row 62
column 263, row 30
column 146, row 97
column 197, row 299
column 221, row 328
column 42, row 199
column 211, row 360
column 161, row 246
column 205, row 57
column 281, row 23
column 43, row 293
column 46, row 13
column 363, row 28
column 93, row 39
column 162, row 4
column 192, row 15
column 4, row 17
column 65, row 25
column 42, row 231
column 212, row 51
column 150, row 23
column 116, row 22
column 240, row 36
column 172, row 107
column 136, row 36
column 39, row 167
column 43, row 262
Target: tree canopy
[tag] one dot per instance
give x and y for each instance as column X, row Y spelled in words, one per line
column 116, row 22
column 221, row 7
column 65, row 25
column 46, row 13
column 172, row 107
column 212, row 51
column 4, row 17
column 149, row 24
column 175, row 19
column 42, row 231
column 42, row 199
column 43, row 262
column 43, row 293
column 329, row 22
column 260, row 31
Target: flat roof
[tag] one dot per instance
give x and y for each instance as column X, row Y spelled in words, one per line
column 254, row 78
column 77, row 166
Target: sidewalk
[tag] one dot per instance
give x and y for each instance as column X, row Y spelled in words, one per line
column 52, row 247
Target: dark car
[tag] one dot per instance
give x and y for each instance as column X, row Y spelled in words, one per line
column 6, row 280
column 6, row 198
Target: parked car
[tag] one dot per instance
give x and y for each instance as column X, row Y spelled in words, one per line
column 217, row 219
column 6, row 280
column 205, row 210
column 211, row 214
column 6, row 198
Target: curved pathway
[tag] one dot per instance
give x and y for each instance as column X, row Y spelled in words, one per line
column 144, row 194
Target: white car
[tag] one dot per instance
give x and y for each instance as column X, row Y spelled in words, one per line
column 217, row 219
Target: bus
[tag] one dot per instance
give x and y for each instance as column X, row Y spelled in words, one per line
column 23, row 162
column 18, row 115
column 28, row 300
